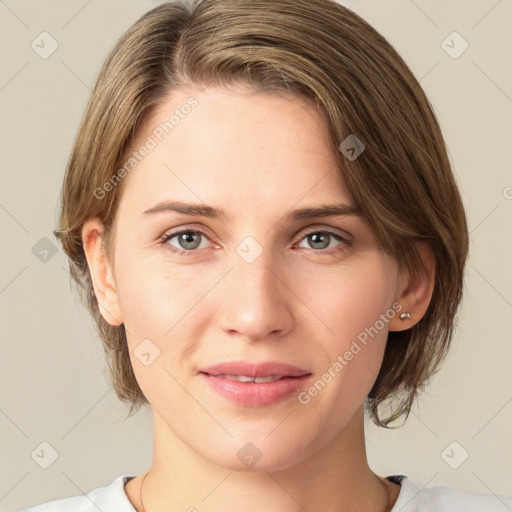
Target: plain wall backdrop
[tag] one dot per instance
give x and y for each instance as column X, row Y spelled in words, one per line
column 52, row 374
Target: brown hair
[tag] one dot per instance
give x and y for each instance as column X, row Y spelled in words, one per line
column 321, row 51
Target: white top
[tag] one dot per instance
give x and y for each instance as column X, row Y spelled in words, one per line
column 113, row 498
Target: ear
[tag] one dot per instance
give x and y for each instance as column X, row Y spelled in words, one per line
column 101, row 272
column 415, row 294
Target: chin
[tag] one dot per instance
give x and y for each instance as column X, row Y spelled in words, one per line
column 260, row 457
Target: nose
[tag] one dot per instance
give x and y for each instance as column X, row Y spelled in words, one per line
column 255, row 301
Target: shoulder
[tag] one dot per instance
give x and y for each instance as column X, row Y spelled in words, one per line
column 412, row 498
column 441, row 498
column 111, row 498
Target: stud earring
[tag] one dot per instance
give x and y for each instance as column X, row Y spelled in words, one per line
column 404, row 316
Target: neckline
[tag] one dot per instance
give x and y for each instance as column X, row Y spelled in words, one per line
column 405, row 496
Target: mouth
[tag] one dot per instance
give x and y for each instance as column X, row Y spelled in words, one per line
column 247, row 378
column 243, row 370
column 255, row 385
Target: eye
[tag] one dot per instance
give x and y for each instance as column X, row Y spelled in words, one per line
column 321, row 240
column 188, row 240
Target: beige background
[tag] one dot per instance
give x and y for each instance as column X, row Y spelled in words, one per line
column 52, row 382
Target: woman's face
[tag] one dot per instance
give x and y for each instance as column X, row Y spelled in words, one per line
column 256, row 284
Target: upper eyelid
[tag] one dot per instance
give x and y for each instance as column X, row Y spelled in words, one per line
column 333, row 230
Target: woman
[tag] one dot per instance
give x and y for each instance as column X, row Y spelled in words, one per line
column 261, row 211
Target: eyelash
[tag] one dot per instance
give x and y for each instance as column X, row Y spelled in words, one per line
column 184, row 252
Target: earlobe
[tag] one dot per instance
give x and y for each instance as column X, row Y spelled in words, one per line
column 101, row 271
column 415, row 295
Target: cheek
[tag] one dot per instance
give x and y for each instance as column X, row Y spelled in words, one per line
column 351, row 304
column 161, row 303
column 154, row 295
column 156, row 307
column 350, row 298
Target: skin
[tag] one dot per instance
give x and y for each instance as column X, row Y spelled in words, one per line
column 256, row 156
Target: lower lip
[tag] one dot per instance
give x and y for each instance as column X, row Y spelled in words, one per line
column 256, row 394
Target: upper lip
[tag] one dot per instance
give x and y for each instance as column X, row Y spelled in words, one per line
column 263, row 369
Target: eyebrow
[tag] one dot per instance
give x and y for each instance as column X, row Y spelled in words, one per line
column 203, row 210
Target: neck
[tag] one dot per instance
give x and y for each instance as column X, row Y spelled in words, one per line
column 335, row 477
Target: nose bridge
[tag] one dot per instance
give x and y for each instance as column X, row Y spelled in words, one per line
column 255, row 302
column 254, row 273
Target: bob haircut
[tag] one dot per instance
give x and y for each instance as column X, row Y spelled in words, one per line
column 323, row 52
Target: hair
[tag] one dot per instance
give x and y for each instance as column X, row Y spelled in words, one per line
column 320, row 51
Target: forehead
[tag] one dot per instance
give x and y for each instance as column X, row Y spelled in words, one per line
column 253, row 149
